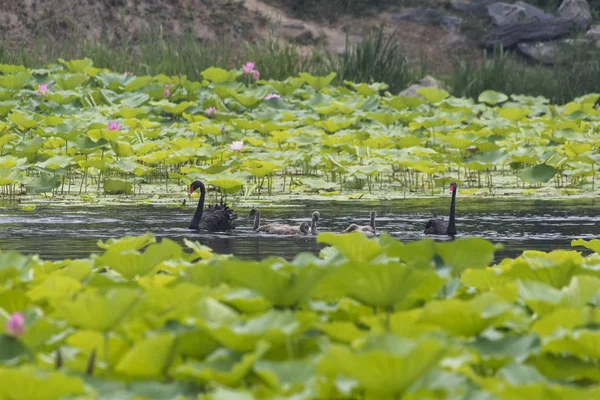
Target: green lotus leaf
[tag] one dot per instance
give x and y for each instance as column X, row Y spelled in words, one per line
column 317, row 82
column 15, row 81
column 247, row 301
column 54, row 289
column 77, row 65
column 177, row 109
column 9, row 176
column 11, row 349
column 282, row 284
column 287, row 375
column 138, row 83
column 593, row 244
column 384, row 285
column 149, row 358
column 219, row 75
column 465, row 318
column 224, row 366
column 467, row 253
column 45, row 183
column 56, row 162
column 131, row 264
column 365, row 89
column 23, row 121
column 377, row 364
column 539, row 173
column 492, row 97
column 433, row 95
column 566, row 368
column 556, row 268
column 229, row 186
column 11, row 69
column 146, row 390
column 95, row 310
column 128, row 242
column 354, row 246
column 584, row 344
column 508, row 348
column 70, row 81
column 275, row 327
column 26, row 383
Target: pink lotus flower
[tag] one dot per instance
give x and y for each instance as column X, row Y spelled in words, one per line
column 15, row 326
column 255, row 74
column 248, row 68
column 272, row 96
column 210, row 111
column 237, row 146
column 114, row 126
column 42, row 90
column 167, row 92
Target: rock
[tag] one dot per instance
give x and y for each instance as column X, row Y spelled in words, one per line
column 298, row 33
column 429, row 16
column 577, row 11
column 593, row 33
column 477, row 8
column 510, row 35
column 549, row 52
column 505, row 14
column 428, row 82
column 454, row 41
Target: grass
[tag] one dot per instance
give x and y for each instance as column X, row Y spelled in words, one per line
column 375, row 59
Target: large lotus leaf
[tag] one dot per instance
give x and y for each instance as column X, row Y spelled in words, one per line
column 385, row 366
column 543, row 298
column 565, row 368
column 219, row 75
column 496, row 353
column 584, row 344
column 99, row 311
column 131, row 263
column 223, row 366
column 593, row 244
column 283, row 285
column 247, row 301
column 538, row 173
column 143, row 390
column 433, row 95
column 492, row 97
column 229, row 186
column 117, row 186
column 54, row 289
column 127, row 242
column 23, row 121
column 26, row 383
column 12, row 264
column 77, row 65
column 564, row 318
column 15, row 81
column 484, row 280
column 538, row 391
column 149, row 358
column 56, row 162
column 45, row 183
column 467, row 318
column 354, row 246
column 285, row 375
column 468, row 253
column 556, row 268
column 11, row 349
column 384, row 285
column 274, row 327
column 170, row 303
column 318, row 82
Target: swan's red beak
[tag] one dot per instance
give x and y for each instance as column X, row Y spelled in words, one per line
column 452, row 188
column 192, row 190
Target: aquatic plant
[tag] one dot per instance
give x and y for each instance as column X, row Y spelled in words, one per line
column 367, row 319
column 98, row 131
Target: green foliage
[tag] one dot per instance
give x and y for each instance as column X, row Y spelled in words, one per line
column 371, row 318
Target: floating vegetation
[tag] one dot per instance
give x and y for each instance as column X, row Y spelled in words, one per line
column 367, row 319
column 72, row 128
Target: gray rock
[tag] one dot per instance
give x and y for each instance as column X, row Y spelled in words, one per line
column 428, row 82
column 593, row 33
column 577, row 11
column 505, row 14
column 477, row 8
column 454, row 41
column 430, row 16
column 510, row 35
column 549, row 52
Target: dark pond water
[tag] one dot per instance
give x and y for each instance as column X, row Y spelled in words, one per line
column 69, row 232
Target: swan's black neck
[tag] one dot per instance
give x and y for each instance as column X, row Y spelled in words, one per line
column 451, row 221
column 256, row 220
column 195, row 224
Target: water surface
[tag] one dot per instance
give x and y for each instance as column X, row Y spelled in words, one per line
column 71, row 232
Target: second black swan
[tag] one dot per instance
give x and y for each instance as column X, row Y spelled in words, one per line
column 441, row 226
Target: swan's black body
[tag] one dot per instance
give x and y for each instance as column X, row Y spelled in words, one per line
column 215, row 218
column 440, row 226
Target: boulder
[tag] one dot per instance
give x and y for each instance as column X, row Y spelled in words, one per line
column 577, row 11
column 429, row 16
column 454, row 41
column 477, row 8
column 531, row 31
column 549, row 52
column 506, row 14
column 593, row 33
column 298, row 33
column 427, row 82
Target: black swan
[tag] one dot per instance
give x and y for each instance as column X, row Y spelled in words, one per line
column 215, row 218
column 313, row 227
column 368, row 230
column 276, row 228
column 440, row 226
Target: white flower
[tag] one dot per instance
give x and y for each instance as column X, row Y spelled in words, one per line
column 237, row 146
